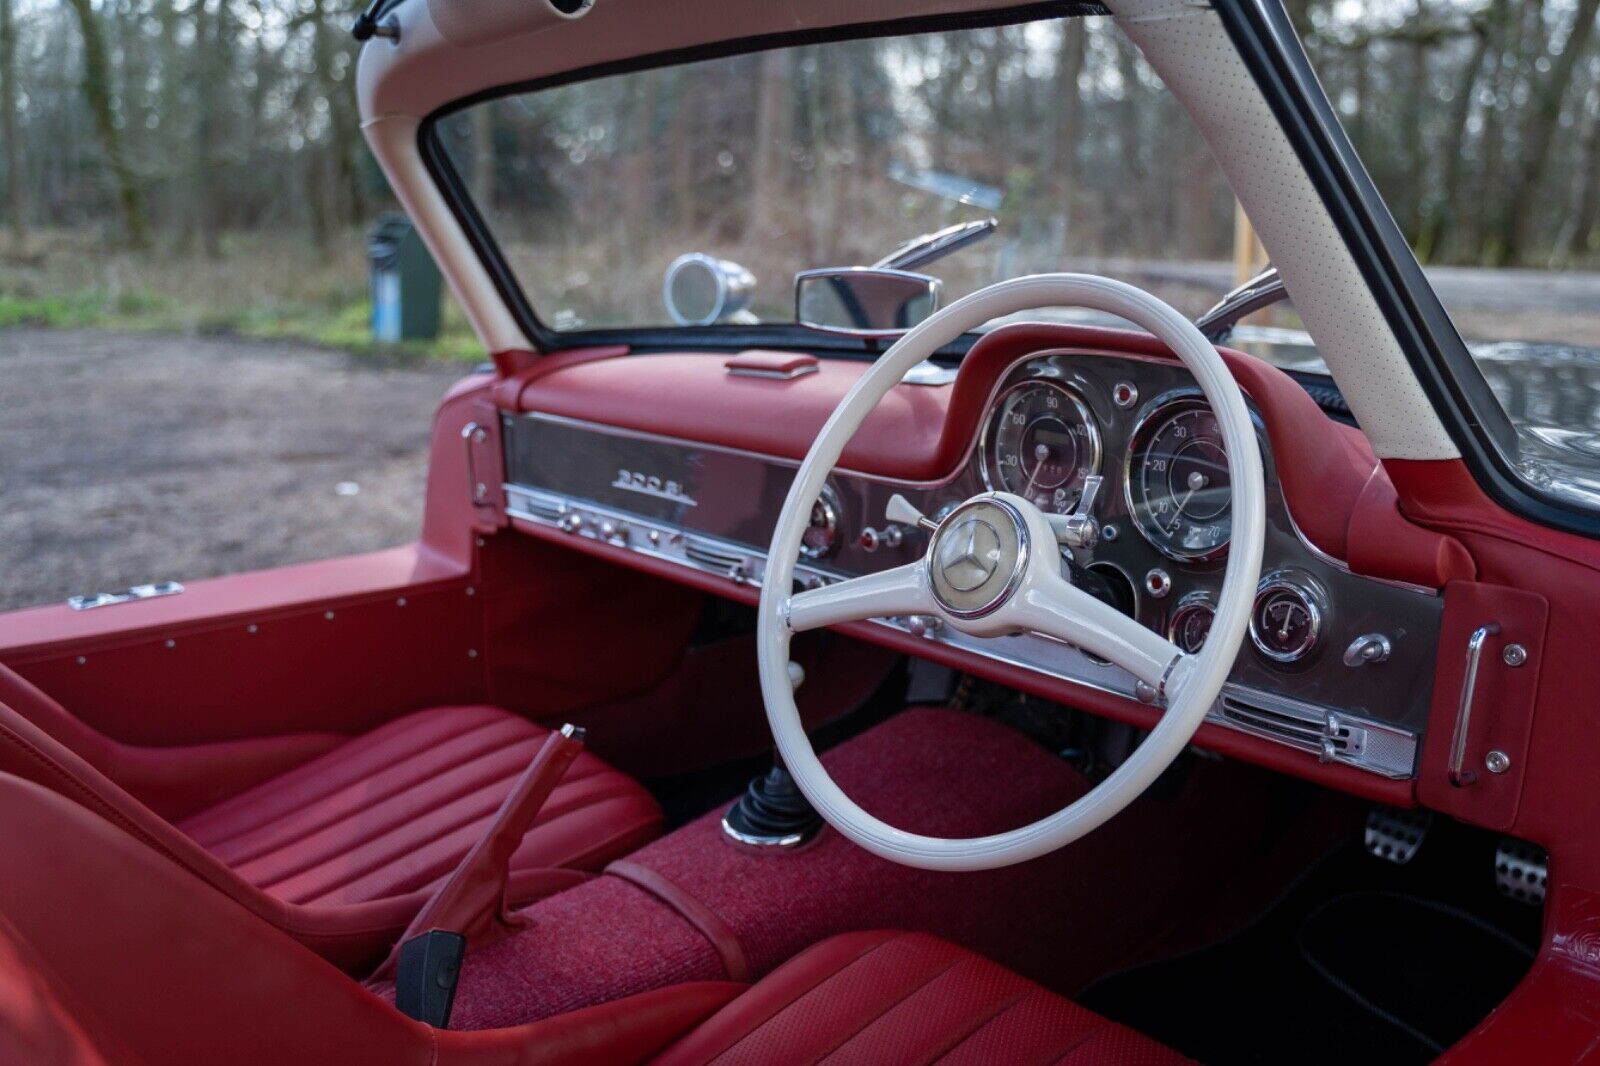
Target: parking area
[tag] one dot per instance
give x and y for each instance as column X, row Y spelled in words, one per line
column 127, row 458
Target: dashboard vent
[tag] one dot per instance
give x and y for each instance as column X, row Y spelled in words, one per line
column 715, row 557
column 540, row 507
column 1302, row 727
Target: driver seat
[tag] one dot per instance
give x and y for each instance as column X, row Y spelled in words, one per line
column 108, row 953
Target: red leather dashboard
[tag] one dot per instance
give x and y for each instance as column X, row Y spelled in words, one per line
column 1339, row 494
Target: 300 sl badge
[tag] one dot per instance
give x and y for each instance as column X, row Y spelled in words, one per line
column 651, row 485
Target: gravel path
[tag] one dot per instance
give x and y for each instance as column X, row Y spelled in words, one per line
column 127, row 458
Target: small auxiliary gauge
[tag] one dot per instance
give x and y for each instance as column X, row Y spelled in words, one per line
column 1286, row 622
column 821, row 537
column 1190, row 623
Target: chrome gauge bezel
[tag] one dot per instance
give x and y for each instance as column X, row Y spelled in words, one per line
column 828, row 500
column 1191, row 603
column 1310, row 596
column 997, row 405
column 1159, row 411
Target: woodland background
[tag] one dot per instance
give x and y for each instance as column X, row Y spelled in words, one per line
column 197, row 164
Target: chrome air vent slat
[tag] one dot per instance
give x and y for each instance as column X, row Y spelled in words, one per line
column 714, row 556
column 1333, row 736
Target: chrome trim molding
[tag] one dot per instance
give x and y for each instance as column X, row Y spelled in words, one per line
column 128, row 595
column 1331, row 735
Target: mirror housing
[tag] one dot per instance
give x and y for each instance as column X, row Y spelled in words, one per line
column 863, row 301
column 701, row 290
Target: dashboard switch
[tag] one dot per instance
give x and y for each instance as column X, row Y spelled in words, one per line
column 1368, row 648
column 890, row 536
column 1158, row 583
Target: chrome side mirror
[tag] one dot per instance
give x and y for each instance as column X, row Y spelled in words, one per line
column 863, row 301
column 700, row 290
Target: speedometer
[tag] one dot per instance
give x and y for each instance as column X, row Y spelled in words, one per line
column 1178, row 488
column 1041, row 443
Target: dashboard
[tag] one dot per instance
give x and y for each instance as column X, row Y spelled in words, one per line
column 1339, row 666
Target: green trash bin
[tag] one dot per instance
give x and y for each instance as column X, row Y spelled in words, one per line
column 405, row 282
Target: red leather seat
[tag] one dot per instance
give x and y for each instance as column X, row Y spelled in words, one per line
column 885, row 997
column 391, row 813
column 116, row 946
column 342, row 851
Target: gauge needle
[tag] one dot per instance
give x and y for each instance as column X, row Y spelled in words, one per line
column 1197, row 481
column 1041, row 452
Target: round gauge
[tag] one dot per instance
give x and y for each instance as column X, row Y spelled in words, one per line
column 1177, row 484
column 1041, row 443
column 1190, row 624
column 1287, row 619
column 821, row 537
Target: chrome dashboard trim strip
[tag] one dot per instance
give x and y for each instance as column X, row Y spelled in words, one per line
column 1331, row 735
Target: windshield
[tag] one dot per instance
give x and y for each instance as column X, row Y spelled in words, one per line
column 834, row 155
column 1479, row 121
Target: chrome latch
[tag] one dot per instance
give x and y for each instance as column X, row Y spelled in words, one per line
column 137, row 592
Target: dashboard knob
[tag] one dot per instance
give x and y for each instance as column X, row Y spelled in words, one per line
column 923, row 625
column 570, row 522
column 1368, row 648
column 890, row 536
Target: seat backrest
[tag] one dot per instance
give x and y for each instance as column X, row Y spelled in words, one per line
column 156, row 969
column 32, row 703
column 353, row 937
column 36, row 1024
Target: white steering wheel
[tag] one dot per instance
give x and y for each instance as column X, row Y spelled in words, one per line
column 993, row 568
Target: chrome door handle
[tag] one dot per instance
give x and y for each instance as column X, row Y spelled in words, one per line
column 1459, row 776
column 473, row 434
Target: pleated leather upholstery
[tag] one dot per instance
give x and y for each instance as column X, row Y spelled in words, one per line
column 391, row 812
column 904, row 998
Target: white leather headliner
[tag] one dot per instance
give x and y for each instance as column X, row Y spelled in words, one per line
column 399, row 84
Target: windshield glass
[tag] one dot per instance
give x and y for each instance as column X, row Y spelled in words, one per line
column 833, row 155
column 1479, row 121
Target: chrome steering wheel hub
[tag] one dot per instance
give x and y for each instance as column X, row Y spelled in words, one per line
column 978, row 556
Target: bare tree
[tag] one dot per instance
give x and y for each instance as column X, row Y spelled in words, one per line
column 8, row 125
column 96, row 85
column 1548, row 99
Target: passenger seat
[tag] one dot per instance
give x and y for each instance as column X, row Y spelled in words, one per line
column 342, row 851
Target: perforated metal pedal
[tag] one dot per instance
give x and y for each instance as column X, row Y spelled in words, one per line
column 1521, row 870
column 1394, row 834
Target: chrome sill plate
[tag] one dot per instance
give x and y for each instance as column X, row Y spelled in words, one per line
column 1329, row 735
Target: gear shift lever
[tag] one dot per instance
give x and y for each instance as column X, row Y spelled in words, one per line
column 773, row 813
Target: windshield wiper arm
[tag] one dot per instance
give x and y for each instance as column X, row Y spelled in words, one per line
column 920, row 251
column 1263, row 290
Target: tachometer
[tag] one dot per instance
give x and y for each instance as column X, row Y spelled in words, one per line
column 1041, row 443
column 1177, row 485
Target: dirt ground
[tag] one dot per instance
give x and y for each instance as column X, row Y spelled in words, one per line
column 127, row 458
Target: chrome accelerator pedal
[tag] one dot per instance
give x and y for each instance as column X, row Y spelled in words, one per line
column 1521, row 870
column 1394, row 834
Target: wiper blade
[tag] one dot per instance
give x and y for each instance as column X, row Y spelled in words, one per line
column 920, row 251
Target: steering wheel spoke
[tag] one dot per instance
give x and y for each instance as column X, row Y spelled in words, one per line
column 902, row 590
column 1053, row 607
